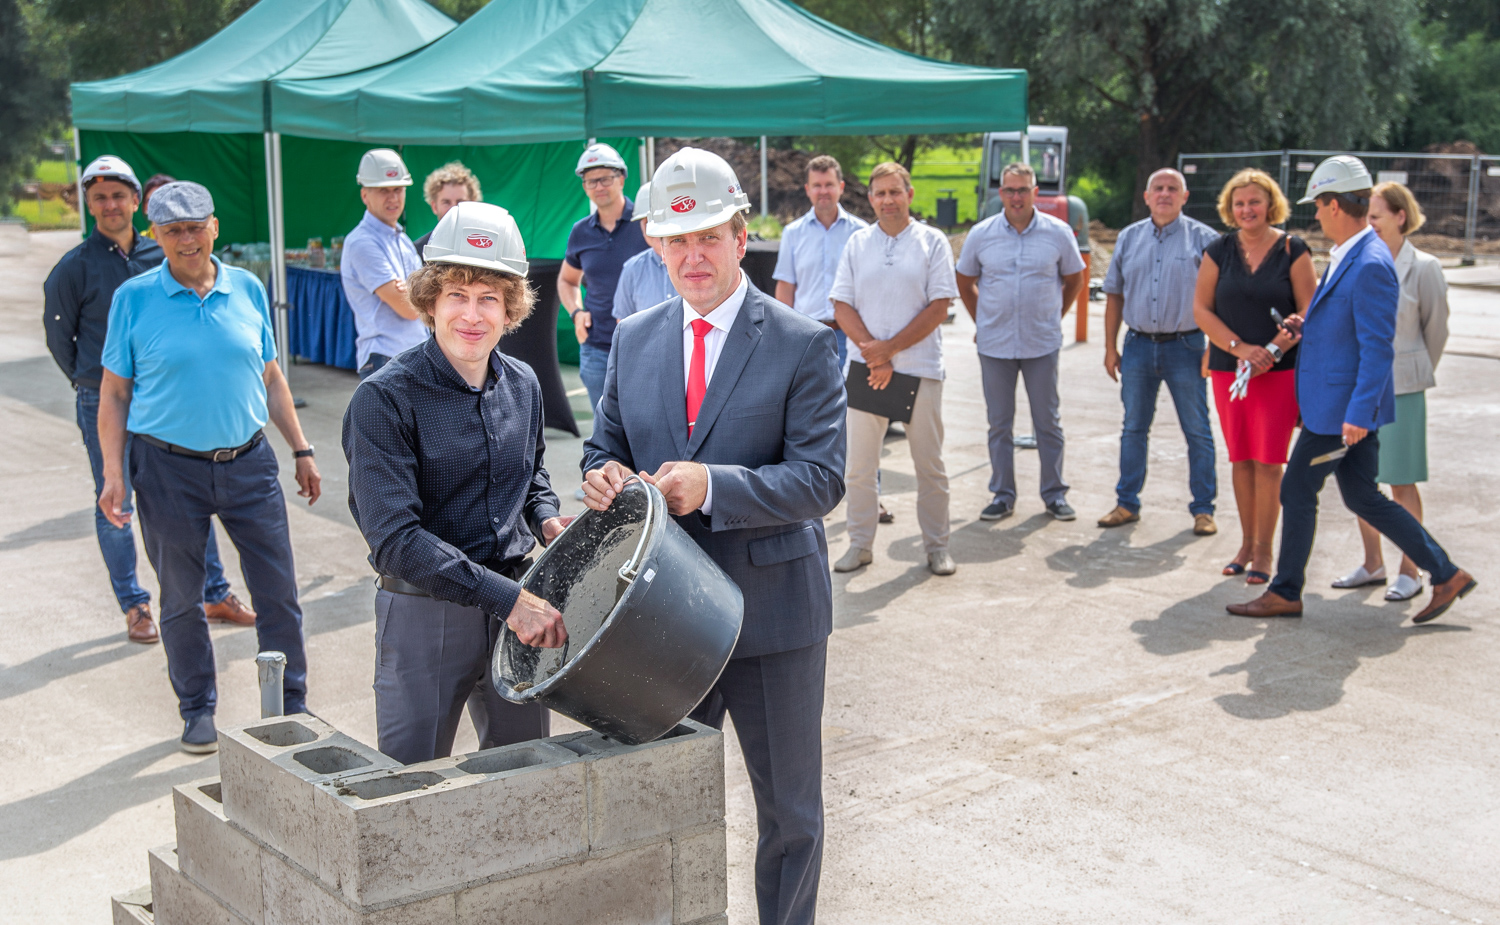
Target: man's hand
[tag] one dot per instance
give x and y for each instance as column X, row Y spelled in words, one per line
column 1352, row 435
column 581, row 324
column 553, row 527
column 877, row 352
column 1112, row 362
column 112, row 499
column 880, row 376
column 601, row 486
column 309, row 481
column 683, row 484
column 536, row 622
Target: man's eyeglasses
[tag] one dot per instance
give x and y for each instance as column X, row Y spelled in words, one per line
column 599, row 182
column 1014, row 190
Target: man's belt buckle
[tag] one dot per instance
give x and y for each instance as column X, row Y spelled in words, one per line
column 223, row 455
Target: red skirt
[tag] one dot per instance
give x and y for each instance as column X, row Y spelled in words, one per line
column 1259, row 426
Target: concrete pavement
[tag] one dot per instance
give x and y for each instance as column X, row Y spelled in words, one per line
column 1070, row 729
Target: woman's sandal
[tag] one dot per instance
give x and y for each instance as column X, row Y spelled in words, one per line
column 1252, row 577
column 1234, row 568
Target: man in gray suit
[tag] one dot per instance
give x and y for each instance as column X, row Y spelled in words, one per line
column 732, row 405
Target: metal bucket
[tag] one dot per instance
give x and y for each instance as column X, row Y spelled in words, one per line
column 651, row 622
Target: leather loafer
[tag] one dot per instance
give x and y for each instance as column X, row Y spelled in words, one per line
column 1203, row 525
column 1269, row 604
column 230, row 610
column 939, row 562
column 1120, row 516
column 139, row 626
column 1445, row 594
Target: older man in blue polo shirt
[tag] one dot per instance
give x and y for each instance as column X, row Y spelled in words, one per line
column 190, row 372
column 812, row 245
column 378, row 257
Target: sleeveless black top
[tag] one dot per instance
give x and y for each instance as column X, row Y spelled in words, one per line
column 1243, row 300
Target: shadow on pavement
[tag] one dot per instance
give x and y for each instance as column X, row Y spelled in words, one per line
column 1299, row 664
column 51, row 818
column 856, row 608
column 1111, row 556
column 74, row 526
column 39, row 383
column 65, row 661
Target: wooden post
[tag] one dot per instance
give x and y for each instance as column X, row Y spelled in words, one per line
column 1082, row 329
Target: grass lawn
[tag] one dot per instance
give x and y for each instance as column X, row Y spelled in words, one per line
column 53, row 214
column 955, row 169
column 53, row 172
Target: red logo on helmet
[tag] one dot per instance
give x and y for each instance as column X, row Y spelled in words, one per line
column 592, row 158
column 392, row 173
column 480, row 241
column 683, row 204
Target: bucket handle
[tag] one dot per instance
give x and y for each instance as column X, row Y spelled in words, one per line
column 632, row 565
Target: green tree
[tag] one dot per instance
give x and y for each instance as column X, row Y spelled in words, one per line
column 459, row 9
column 33, row 95
column 1148, row 79
column 1457, row 96
column 107, row 38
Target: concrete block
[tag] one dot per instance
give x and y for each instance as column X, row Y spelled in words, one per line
column 632, row 887
column 443, row 824
column 699, row 874
column 294, row 898
column 133, row 908
column 268, row 770
column 214, row 854
column 176, row 900
column 639, row 792
column 720, row 919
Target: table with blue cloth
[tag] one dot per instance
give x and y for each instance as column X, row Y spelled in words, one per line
column 322, row 331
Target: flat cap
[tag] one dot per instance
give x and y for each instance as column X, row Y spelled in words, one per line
column 180, row 202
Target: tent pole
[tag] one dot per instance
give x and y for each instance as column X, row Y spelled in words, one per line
column 650, row 156
column 1026, row 146
column 278, row 251
column 83, row 224
column 764, row 183
column 645, row 172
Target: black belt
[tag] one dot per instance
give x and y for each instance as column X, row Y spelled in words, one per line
column 1163, row 338
column 512, row 570
column 220, row 455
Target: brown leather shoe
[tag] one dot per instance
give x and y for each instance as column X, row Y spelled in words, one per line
column 139, row 626
column 1203, row 525
column 230, row 610
column 1269, row 604
column 1445, row 594
column 1119, row 517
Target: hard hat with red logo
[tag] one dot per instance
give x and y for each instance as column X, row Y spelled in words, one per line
column 109, row 167
column 642, row 203
column 600, row 154
column 382, row 167
column 478, row 234
column 693, row 190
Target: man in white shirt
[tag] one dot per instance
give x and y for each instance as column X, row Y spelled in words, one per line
column 892, row 291
column 378, row 257
column 812, row 245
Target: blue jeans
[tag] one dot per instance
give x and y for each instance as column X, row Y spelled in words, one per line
column 118, row 543
column 1144, row 366
column 372, row 364
column 843, row 341
column 1356, row 477
column 593, row 362
column 176, row 496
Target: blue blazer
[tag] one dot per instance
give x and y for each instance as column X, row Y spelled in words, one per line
column 1344, row 366
column 770, row 431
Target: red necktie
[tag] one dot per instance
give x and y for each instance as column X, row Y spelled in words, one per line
column 697, row 378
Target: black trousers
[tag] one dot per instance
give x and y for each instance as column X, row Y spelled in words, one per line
column 776, row 701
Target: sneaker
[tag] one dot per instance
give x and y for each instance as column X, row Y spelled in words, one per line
column 997, row 510
column 855, row 558
column 1060, row 511
column 940, row 563
column 199, row 736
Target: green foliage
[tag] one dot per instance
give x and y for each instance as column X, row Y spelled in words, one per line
column 1457, row 97
column 766, row 226
column 107, row 38
column 1109, row 199
column 459, row 9
column 33, row 95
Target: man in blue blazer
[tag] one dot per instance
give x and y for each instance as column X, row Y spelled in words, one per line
column 1345, row 391
column 732, row 405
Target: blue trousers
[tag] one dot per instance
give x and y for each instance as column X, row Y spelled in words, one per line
column 593, row 363
column 117, row 544
column 176, row 495
column 1355, row 474
column 372, row 365
column 777, row 704
column 1144, row 366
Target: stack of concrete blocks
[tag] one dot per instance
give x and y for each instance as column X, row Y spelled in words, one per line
column 306, row 826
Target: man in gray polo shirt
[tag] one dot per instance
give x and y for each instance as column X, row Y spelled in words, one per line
column 1018, row 273
column 1150, row 287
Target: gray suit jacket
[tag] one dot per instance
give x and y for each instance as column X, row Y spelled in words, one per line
column 770, row 431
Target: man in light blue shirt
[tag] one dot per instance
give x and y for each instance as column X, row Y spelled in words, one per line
column 378, row 257
column 812, row 245
column 644, row 281
column 1017, row 275
column 1149, row 286
column 190, row 372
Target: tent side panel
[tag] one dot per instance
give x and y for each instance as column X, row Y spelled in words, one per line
column 319, row 194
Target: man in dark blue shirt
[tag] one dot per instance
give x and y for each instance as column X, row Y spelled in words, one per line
column 598, row 247
column 446, row 483
column 78, row 295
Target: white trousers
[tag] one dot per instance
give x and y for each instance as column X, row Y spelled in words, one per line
column 924, row 437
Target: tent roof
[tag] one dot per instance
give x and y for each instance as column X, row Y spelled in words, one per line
column 520, row 71
column 219, row 86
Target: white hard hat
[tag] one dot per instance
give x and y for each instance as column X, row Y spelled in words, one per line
column 642, row 203
column 693, row 190
column 1342, row 173
column 600, row 154
column 109, row 167
column 382, row 167
column 478, row 234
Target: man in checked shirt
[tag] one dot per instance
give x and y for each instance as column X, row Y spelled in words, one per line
column 446, row 483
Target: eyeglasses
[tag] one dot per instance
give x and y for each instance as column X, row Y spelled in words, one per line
column 1014, row 190
column 600, row 182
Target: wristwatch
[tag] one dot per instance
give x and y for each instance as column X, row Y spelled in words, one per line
column 1274, row 351
column 301, row 454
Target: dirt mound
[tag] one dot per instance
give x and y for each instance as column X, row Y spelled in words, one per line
column 786, row 173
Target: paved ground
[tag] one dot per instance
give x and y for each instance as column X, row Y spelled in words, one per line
column 1068, row 730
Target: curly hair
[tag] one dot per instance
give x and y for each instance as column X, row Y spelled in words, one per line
column 425, row 286
column 451, row 172
column 1276, row 211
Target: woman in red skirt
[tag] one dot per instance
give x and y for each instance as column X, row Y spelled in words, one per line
column 1246, row 273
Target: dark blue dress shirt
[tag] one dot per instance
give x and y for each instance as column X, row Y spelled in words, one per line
column 601, row 255
column 446, row 481
column 79, row 291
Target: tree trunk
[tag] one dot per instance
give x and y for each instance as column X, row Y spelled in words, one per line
column 908, row 152
column 1150, row 158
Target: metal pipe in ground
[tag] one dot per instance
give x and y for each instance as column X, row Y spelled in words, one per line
column 271, row 667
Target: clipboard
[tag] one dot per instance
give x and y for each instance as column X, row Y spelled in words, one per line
column 895, row 401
